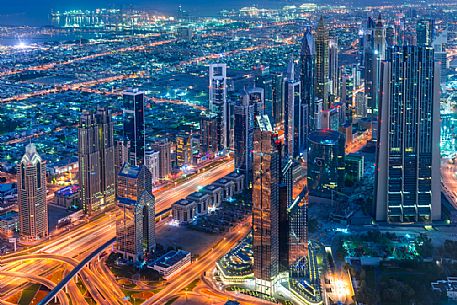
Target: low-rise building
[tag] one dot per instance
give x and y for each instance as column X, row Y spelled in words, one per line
column 183, row 210
column 67, row 196
column 9, row 223
column 216, row 194
column 172, row 263
column 238, row 180
column 201, row 200
column 8, row 191
column 227, row 185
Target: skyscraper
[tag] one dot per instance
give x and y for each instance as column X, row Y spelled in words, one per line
column 298, row 227
column 164, row 148
column 243, row 133
column 265, row 205
column 208, row 134
column 265, row 83
column 285, row 200
column 307, row 66
column 425, row 32
column 256, row 97
column 152, row 162
column 218, row 103
column 296, row 112
column 135, row 223
column 278, row 98
column 322, row 84
column 31, row 191
column 133, row 120
column 326, row 162
column 121, row 154
column 183, row 149
column 408, row 151
column 333, row 68
column 375, row 48
column 96, row 160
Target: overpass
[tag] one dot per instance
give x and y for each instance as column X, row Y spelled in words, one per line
column 54, row 292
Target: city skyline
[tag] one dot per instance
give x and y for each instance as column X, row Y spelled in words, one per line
column 237, row 153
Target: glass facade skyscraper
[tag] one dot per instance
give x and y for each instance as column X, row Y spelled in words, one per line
column 408, row 152
column 133, row 120
column 322, row 83
column 326, row 167
column 243, row 133
column 265, row 205
column 218, row 103
column 135, row 221
column 96, row 158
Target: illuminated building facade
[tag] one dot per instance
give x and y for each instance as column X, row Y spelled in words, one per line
column 408, row 153
column 265, row 205
column 322, row 84
column 31, row 191
column 96, row 157
column 326, row 166
column 218, row 103
column 243, row 133
column 133, row 121
column 135, row 222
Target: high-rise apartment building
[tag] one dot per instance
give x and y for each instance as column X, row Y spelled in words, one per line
column 31, row 192
column 164, row 148
column 152, row 162
column 408, row 150
column 96, row 156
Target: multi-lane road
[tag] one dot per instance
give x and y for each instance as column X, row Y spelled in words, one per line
column 449, row 180
column 63, row 251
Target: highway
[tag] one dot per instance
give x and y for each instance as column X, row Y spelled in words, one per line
column 73, row 246
column 181, row 280
column 449, row 181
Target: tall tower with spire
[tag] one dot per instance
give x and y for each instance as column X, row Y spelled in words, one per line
column 321, row 83
column 31, row 190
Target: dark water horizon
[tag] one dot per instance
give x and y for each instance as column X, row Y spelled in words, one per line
column 37, row 12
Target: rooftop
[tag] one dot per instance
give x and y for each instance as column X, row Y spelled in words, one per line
column 183, row 202
column 171, row 258
column 130, row 171
column 6, row 187
column 325, row 137
column 68, row 190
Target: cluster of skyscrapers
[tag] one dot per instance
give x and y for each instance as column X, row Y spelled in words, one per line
column 305, row 118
